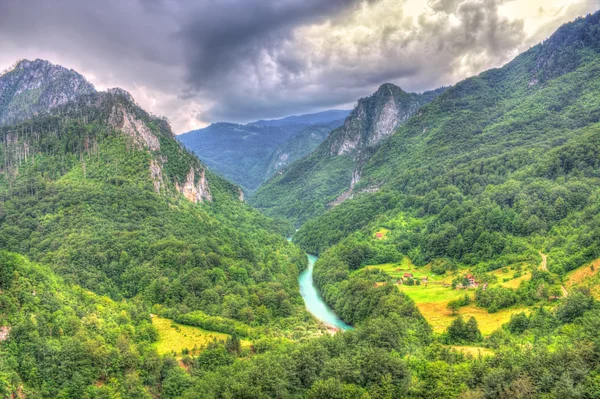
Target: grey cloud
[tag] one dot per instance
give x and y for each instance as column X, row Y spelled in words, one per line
column 296, row 79
column 241, row 60
column 447, row 6
column 217, row 38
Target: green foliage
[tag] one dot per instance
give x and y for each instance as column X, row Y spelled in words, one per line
column 67, row 342
column 574, row 306
column 511, row 169
column 83, row 201
column 309, row 186
column 491, row 170
column 461, row 332
column 496, row 298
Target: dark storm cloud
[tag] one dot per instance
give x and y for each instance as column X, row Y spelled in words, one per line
column 273, row 70
column 241, row 60
column 218, row 38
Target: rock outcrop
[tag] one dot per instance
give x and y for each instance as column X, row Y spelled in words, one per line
column 123, row 119
column 376, row 117
column 195, row 190
column 36, row 87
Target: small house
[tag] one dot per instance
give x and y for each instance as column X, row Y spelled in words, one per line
column 408, row 275
column 379, row 236
column 471, row 279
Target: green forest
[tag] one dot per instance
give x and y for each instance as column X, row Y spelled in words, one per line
column 466, row 261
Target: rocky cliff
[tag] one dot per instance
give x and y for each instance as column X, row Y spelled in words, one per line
column 39, row 99
column 329, row 175
column 375, row 118
column 35, row 87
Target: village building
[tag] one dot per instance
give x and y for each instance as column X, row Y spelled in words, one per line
column 471, row 279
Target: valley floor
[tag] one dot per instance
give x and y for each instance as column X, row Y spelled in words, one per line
column 432, row 297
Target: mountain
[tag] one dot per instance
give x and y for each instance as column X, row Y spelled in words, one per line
column 496, row 169
column 308, row 119
column 100, row 191
column 245, row 154
column 327, row 177
column 303, row 143
column 97, row 197
column 35, row 87
column 471, row 272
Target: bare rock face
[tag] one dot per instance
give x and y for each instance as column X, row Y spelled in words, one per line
column 123, row 119
column 376, row 117
column 156, row 175
column 195, row 190
column 4, row 333
column 36, row 87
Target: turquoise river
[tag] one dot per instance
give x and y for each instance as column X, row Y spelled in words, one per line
column 313, row 300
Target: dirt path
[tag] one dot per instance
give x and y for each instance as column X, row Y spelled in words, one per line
column 544, row 267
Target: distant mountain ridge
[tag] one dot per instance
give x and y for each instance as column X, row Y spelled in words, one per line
column 307, row 119
column 249, row 154
column 327, row 177
column 35, row 87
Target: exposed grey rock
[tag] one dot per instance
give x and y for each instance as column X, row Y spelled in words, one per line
column 36, row 87
column 195, row 191
column 376, row 117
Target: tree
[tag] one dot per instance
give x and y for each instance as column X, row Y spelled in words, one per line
column 472, row 333
column 453, row 306
column 233, row 344
column 518, row 323
column 459, row 331
column 574, row 306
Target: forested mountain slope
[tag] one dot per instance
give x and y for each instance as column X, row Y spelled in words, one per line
column 497, row 175
column 103, row 193
column 59, row 341
column 497, row 167
column 328, row 176
column 35, row 87
column 249, row 154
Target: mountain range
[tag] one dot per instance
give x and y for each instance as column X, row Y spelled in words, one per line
column 457, row 234
column 328, row 176
column 249, row 154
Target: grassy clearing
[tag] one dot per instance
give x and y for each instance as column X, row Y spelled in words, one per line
column 432, row 298
column 474, row 351
column 507, row 277
column 439, row 317
column 433, row 293
column 175, row 337
column 585, row 276
column 397, row 270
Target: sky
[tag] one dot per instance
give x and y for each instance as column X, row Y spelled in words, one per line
column 203, row 61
